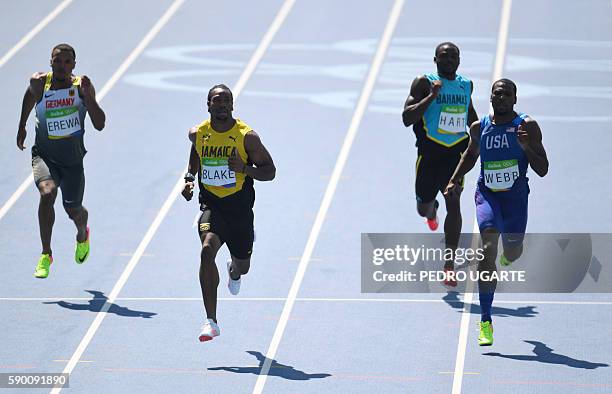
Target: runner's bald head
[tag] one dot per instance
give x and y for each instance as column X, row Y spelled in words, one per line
column 64, row 48
column 504, row 81
column 219, row 87
column 447, row 43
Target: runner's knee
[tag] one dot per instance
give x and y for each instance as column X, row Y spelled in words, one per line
column 48, row 191
column 489, row 244
column 208, row 253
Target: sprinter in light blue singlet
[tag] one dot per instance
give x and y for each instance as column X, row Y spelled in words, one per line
column 440, row 109
column 445, row 120
column 507, row 143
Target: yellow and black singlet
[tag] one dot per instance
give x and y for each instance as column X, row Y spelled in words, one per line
column 217, row 181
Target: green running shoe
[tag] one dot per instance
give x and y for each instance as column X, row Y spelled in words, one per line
column 504, row 261
column 485, row 337
column 82, row 250
column 42, row 268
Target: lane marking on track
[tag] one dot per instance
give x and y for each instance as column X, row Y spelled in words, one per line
column 175, row 192
column 32, row 33
column 500, row 58
column 329, row 192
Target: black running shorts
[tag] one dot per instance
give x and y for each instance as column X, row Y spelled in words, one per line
column 233, row 227
column 69, row 179
column 433, row 174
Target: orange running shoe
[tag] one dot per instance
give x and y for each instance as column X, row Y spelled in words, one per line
column 433, row 223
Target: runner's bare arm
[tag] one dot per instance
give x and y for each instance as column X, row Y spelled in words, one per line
column 192, row 134
column 263, row 168
column 530, row 138
column 194, row 161
column 31, row 95
column 472, row 115
column 192, row 166
column 422, row 93
column 468, row 159
column 96, row 114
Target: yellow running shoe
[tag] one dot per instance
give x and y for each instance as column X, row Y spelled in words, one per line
column 42, row 268
column 485, row 337
column 82, row 250
column 504, row 261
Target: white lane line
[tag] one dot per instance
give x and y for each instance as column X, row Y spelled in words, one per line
column 464, row 326
column 15, row 196
column 126, row 273
column 308, row 299
column 498, row 69
column 502, row 40
column 197, row 216
column 41, row 25
column 140, row 47
column 330, row 191
column 247, row 73
column 7, row 56
column 104, row 91
column 263, row 46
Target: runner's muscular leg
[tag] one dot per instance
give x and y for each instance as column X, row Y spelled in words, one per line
column 209, row 274
column 46, row 212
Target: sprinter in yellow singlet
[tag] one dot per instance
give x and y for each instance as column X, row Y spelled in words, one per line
column 227, row 156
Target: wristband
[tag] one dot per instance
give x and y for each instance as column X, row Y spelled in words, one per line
column 189, row 177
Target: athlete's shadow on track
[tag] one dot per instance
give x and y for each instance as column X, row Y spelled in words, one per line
column 276, row 369
column 452, row 300
column 96, row 304
column 544, row 354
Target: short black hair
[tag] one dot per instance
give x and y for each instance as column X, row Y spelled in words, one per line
column 64, row 48
column 450, row 44
column 219, row 86
column 506, row 81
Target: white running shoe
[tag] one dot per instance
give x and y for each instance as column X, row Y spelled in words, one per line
column 210, row 329
column 232, row 284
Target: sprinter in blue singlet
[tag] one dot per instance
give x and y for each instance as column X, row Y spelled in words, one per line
column 507, row 143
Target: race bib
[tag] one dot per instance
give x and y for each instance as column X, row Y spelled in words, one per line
column 62, row 112
column 452, row 119
column 500, row 175
column 215, row 172
column 62, row 122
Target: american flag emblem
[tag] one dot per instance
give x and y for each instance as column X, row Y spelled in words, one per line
column 510, row 129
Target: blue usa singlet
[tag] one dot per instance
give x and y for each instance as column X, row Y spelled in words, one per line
column 503, row 163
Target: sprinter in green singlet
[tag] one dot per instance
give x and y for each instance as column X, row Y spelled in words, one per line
column 61, row 101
